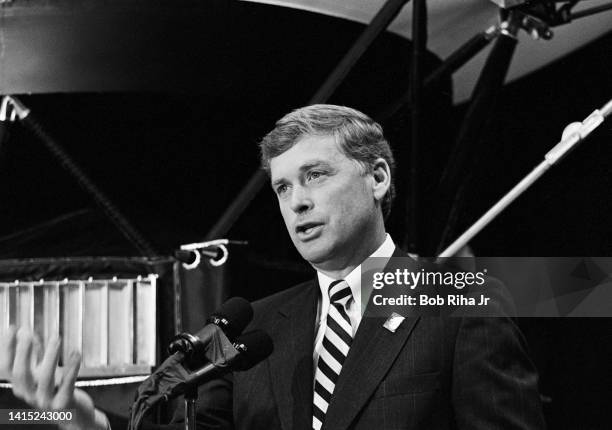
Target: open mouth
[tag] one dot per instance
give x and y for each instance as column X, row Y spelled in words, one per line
column 307, row 229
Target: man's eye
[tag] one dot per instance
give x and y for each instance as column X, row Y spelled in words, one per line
column 281, row 189
column 315, row 175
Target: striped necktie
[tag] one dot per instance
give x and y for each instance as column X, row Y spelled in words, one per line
column 336, row 344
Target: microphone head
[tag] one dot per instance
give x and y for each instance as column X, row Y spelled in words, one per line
column 254, row 346
column 233, row 316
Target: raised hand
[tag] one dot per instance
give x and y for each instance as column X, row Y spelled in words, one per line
column 44, row 385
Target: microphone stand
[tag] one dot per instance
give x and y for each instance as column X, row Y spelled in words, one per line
column 191, row 395
column 212, row 369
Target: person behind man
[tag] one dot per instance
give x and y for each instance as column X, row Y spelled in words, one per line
column 333, row 365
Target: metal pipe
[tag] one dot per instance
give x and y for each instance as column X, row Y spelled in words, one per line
column 255, row 183
column 454, row 62
column 419, row 43
column 454, row 180
column 379, row 23
column 553, row 156
column 591, row 11
column 108, row 207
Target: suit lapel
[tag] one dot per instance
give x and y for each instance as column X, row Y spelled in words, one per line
column 372, row 353
column 291, row 365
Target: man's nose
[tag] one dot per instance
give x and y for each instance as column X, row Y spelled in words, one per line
column 301, row 200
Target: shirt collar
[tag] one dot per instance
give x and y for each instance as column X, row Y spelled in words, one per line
column 353, row 279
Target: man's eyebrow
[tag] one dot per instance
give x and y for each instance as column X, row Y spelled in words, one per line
column 277, row 182
column 303, row 168
column 315, row 163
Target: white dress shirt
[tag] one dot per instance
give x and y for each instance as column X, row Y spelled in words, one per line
column 354, row 308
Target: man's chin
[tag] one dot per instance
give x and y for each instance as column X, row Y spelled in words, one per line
column 314, row 255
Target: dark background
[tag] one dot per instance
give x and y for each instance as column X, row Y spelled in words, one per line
column 174, row 160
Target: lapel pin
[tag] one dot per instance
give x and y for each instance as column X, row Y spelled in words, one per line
column 393, row 322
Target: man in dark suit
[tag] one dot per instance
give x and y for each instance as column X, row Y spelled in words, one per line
column 336, row 363
column 331, row 170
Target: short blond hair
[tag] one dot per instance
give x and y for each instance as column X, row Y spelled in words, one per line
column 360, row 138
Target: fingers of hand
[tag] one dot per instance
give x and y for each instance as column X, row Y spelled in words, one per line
column 37, row 352
column 66, row 389
column 7, row 352
column 34, row 381
column 83, row 406
column 46, row 374
column 22, row 379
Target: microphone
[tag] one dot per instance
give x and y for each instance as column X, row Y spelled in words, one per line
column 254, row 346
column 231, row 318
column 210, row 347
column 250, row 349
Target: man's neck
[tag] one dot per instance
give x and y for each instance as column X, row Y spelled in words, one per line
column 338, row 274
column 339, row 270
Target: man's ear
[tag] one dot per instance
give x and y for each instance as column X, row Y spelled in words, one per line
column 381, row 175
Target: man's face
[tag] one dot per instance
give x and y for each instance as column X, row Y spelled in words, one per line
column 326, row 200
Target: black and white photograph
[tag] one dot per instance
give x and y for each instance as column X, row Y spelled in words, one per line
column 305, row 214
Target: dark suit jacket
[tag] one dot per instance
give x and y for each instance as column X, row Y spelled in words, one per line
column 432, row 373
